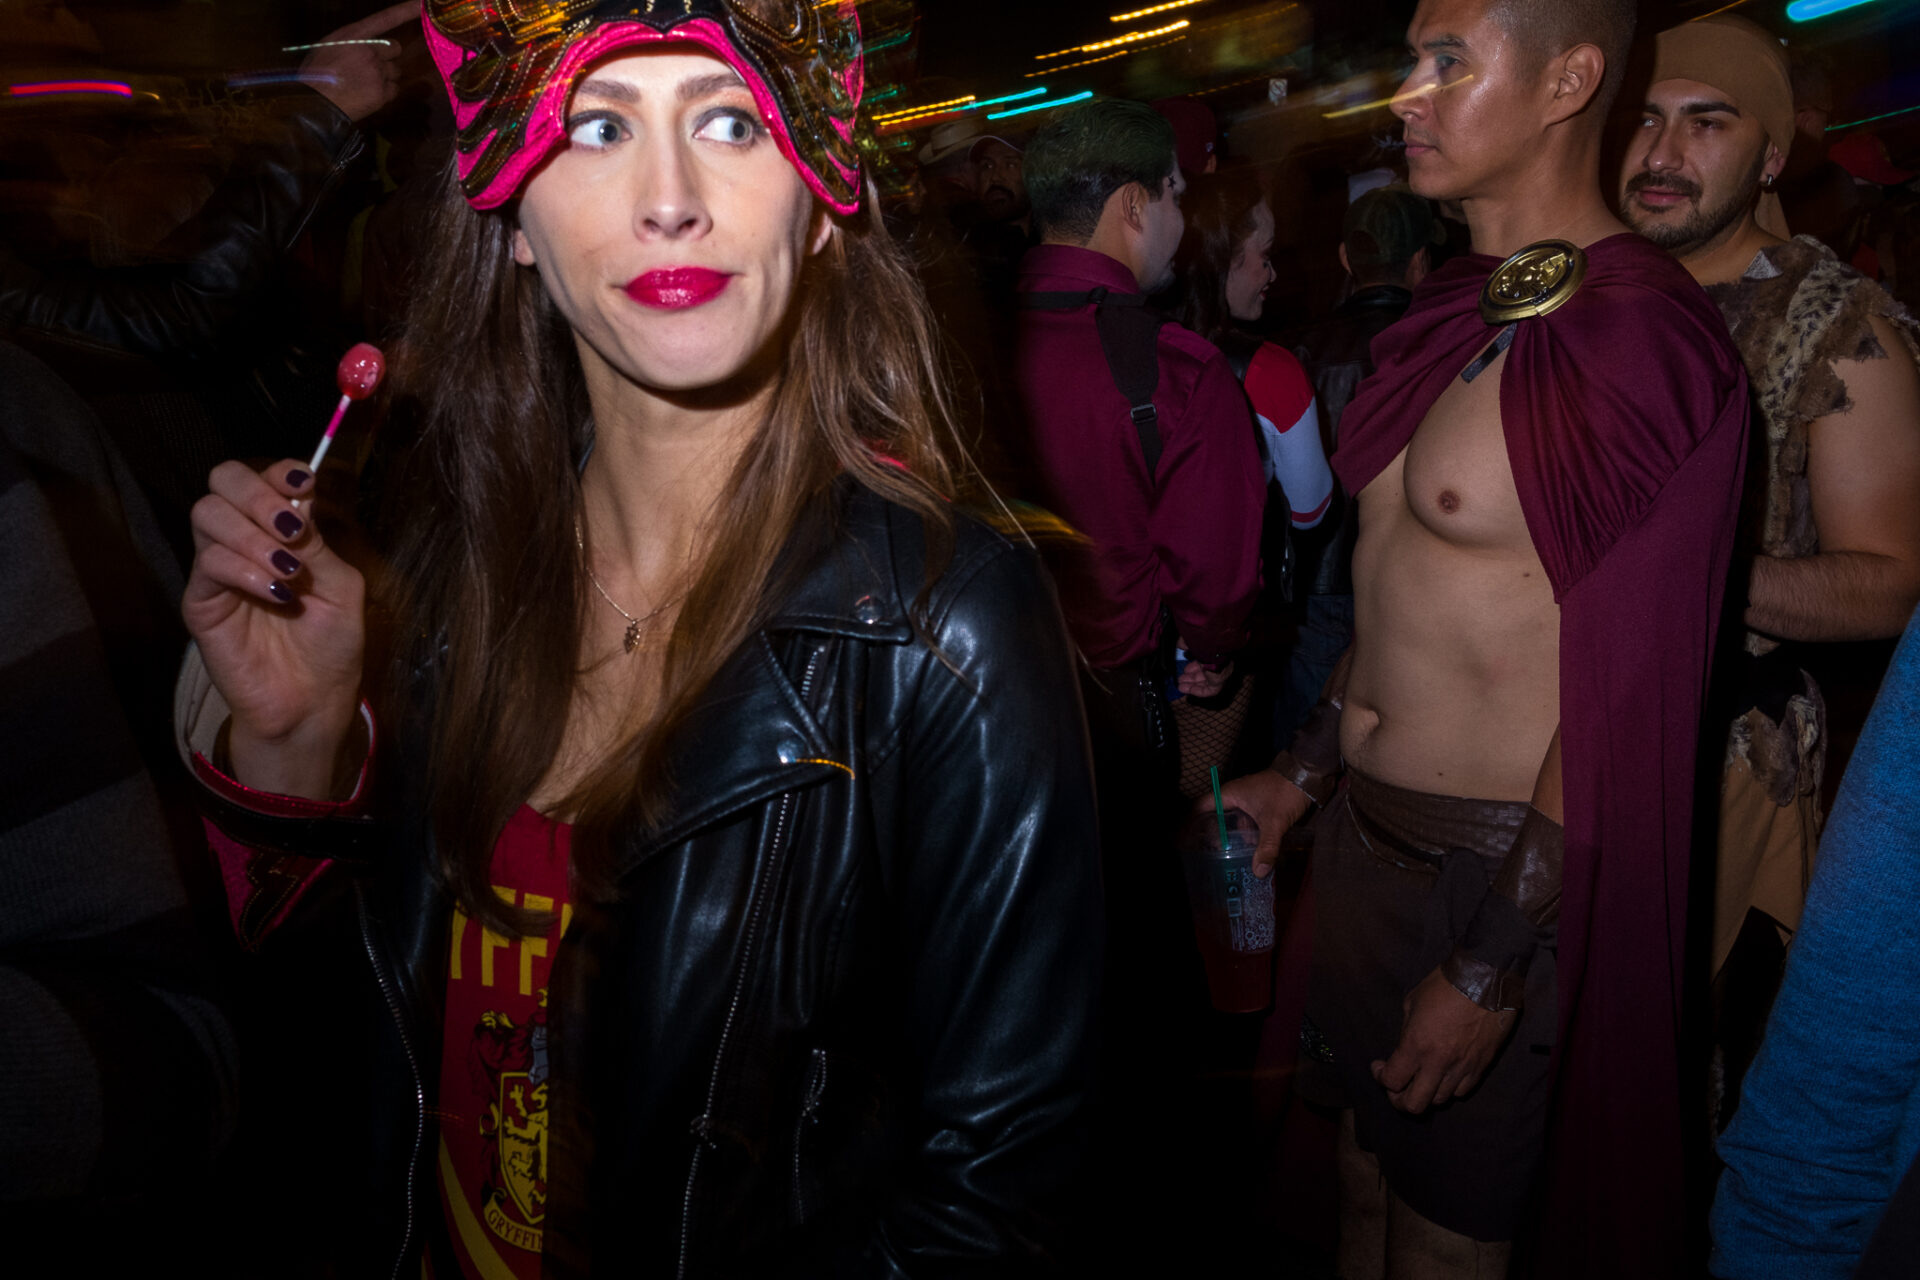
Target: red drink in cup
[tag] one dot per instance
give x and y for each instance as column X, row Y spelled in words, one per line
column 1232, row 911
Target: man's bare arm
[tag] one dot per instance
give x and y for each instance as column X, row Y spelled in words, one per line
column 1863, row 475
column 1275, row 797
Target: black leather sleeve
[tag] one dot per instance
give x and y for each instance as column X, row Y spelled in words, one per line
column 219, row 259
column 1000, row 883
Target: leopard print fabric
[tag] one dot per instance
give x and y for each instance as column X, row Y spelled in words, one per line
column 1796, row 311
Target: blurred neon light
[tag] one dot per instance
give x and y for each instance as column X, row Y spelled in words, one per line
column 957, row 106
column 253, row 79
column 1012, row 97
column 1425, row 90
column 1132, row 37
column 1885, row 115
column 1105, row 57
column 1158, row 8
column 331, row 44
column 1082, row 96
column 70, row 86
column 1808, row 10
column 928, row 109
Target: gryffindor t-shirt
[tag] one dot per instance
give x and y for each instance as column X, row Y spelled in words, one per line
column 492, row 1156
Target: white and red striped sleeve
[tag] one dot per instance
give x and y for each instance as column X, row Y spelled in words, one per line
column 1282, row 397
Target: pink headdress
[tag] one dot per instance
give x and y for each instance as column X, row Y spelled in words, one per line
column 510, row 66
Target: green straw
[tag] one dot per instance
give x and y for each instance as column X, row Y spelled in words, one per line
column 1219, row 809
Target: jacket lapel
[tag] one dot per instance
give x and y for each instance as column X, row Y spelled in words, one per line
column 754, row 735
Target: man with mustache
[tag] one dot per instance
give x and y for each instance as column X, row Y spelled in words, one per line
column 1000, row 173
column 1832, row 524
column 1547, row 463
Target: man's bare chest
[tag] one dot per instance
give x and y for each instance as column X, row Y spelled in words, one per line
column 1454, row 477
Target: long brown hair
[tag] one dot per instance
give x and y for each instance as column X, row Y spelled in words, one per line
column 488, row 589
column 1219, row 209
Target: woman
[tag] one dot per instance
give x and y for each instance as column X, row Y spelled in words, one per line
column 1225, row 267
column 727, row 873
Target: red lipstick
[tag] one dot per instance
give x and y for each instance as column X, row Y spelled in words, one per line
column 677, row 288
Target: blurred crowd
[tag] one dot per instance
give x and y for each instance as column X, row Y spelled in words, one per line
column 185, row 256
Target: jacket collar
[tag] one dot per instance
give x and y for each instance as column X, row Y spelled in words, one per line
column 754, row 735
column 751, row 738
column 846, row 582
column 1376, row 297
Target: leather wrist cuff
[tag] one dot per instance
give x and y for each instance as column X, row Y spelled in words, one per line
column 1495, row 990
column 1312, row 762
column 1319, row 784
column 1518, row 916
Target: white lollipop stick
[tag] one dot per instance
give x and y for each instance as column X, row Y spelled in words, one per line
column 326, row 441
column 359, row 373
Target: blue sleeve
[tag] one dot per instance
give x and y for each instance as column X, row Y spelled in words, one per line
column 1827, row 1120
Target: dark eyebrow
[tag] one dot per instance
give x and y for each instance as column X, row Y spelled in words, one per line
column 687, row 91
column 1444, row 42
column 706, row 86
column 1709, row 108
column 611, row 90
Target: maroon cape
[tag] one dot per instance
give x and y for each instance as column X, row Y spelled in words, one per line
column 1625, row 414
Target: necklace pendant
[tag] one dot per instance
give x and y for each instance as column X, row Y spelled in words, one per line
column 633, row 635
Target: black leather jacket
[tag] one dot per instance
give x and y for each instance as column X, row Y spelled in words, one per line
column 1338, row 356
column 219, row 258
column 840, row 1019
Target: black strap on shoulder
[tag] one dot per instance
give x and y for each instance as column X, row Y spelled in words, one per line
column 1501, row 342
column 1130, row 338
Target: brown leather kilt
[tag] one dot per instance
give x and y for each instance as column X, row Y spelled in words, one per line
column 1397, row 876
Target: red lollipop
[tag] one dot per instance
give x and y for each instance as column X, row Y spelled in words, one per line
column 359, row 373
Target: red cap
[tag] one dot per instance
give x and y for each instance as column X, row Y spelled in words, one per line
column 1865, row 157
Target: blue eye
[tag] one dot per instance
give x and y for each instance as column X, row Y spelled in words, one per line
column 732, row 126
column 594, row 132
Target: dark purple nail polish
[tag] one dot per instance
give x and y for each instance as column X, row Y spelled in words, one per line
column 289, row 524
column 297, row 478
column 285, row 563
column 279, row 591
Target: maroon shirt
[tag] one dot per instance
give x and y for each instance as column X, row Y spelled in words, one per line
column 1191, row 541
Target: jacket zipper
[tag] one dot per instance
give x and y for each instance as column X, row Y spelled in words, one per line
column 702, row 1124
column 419, row 1090
column 809, row 1112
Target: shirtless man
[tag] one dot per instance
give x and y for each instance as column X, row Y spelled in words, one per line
column 1833, row 527
column 1547, row 463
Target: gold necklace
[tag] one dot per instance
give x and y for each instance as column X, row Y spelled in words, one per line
column 632, row 640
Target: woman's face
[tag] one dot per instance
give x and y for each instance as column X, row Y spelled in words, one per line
column 668, row 228
column 1252, row 269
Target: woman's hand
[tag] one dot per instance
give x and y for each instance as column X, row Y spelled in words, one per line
column 280, row 625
